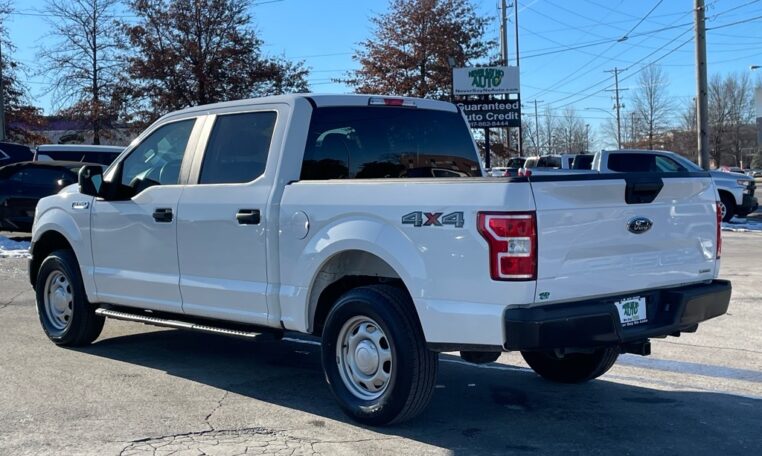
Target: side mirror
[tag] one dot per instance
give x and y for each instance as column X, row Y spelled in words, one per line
column 90, row 180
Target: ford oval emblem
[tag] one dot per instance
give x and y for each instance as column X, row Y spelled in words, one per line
column 639, row 225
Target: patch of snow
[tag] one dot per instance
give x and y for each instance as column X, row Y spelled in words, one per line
column 743, row 225
column 13, row 249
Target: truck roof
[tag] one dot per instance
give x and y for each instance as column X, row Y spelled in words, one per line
column 319, row 100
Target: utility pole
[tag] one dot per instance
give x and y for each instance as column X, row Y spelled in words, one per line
column 2, row 97
column 618, row 106
column 701, row 91
column 504, row 57
column 516, row 29
column 537, row 127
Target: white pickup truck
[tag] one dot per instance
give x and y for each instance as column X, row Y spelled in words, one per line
column 327, row 215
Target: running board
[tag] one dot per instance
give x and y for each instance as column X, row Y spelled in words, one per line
column 179, row 324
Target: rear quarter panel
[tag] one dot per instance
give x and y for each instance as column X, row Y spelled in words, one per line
column 445, row 268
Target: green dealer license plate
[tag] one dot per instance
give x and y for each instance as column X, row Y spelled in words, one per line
column 632, row 311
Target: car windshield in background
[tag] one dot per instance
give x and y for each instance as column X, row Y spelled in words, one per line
column 388, row 142
column 516, row 162
column 583, row 161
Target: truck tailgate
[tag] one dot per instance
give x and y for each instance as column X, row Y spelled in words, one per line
column 593, row 241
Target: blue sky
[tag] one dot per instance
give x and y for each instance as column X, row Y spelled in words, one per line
column 325, row 32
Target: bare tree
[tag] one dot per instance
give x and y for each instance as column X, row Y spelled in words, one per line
column 731, row 117
column 411, row 44
column 652, row 102
column 83, row 62
column 572, row 131
column 548, row 130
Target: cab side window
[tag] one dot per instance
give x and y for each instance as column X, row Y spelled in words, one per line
column 238, row 148
column 156, row 160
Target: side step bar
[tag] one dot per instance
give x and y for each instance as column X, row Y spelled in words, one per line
column 169, row 322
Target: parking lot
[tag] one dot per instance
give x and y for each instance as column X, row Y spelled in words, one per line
column 146, row 390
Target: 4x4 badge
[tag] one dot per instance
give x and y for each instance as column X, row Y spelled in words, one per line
column 420, row 218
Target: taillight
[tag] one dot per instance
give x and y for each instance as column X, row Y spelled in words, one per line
column 524, row 172
column 719, row 229
column 512, row 240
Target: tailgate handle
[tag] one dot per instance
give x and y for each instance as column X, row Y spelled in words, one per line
column 642, row 190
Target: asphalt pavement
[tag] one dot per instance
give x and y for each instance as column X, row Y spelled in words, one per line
column 141, row 390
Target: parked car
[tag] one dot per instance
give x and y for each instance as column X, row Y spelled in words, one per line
column 103, row 155
column 498, row 171
column 514, row 165
column 284, row 219
column 14, row 153
column 736, row 190
column 23, row 184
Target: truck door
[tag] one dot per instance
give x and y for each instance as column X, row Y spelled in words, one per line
column 223, row 220
column 134, row 235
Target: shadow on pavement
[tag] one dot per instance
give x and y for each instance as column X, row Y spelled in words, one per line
column 475, row 409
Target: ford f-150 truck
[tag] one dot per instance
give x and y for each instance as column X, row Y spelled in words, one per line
column 365, row 221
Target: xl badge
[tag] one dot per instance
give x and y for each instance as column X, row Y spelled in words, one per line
column 639, row 225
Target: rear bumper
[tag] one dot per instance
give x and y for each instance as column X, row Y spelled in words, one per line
column 595, row 323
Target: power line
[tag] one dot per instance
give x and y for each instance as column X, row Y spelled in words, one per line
column 626, row 35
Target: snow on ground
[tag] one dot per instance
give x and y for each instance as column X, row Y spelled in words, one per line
column 743, row 225
column 13, row 249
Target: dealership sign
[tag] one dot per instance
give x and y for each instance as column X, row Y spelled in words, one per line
column 485, row 80
column 492, row 113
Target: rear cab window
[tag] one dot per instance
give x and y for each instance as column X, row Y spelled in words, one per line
column 388, row 142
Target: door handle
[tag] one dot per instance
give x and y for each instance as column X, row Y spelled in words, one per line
column 163, row 215
column 248, row 217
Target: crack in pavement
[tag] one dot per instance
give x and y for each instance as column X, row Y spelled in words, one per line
column 6, row 304
column 217, row 407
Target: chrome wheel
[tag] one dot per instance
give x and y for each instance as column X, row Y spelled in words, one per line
column 59, row 300
column 364, row 358
column 723, row 210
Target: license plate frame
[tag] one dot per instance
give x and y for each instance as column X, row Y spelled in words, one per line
column 632, row 311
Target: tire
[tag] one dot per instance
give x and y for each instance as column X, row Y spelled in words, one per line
column 66, row 316
column 367, row 388
column 729, row 204
column 572, row 368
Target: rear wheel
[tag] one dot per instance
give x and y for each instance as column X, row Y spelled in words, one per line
column 375, row 357
column 573, row 367
column 66, row 316
column 727, row 206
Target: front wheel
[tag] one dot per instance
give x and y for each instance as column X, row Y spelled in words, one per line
column 375, row 357
column 66, row 316
column 573, row 367
column 727, row 206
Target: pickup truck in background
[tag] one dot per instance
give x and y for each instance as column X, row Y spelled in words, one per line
column 332, row 215
column 736, row 190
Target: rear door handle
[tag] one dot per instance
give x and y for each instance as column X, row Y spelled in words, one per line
column 163, row 215
column 248, row 216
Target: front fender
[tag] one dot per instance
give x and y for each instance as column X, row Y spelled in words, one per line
column 51, row 215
